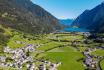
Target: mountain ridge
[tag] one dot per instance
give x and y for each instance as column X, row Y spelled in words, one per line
column 25, row 16
column 91, row 19
column 66, row 22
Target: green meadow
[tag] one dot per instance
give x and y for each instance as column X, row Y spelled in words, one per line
column 55, row 48
column 102, row 64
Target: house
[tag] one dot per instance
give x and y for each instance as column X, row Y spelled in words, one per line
column 2, row 59
column 42, row 67
column 31, row 66
column 29, row 48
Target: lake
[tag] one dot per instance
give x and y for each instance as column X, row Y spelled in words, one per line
column 75, row 30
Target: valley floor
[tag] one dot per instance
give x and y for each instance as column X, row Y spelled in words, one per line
column 54, row 51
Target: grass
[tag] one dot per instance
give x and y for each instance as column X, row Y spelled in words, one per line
column 98, row 52
column 5, row 34
column 7, row 68
column 66, row 37
column 68, row 59
column 102, row 64
column 19, row 37
column 63, row 49
column 49, row 46
column 69, row 38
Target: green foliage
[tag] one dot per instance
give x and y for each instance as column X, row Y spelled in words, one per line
column 8, row 59
column 5, row 34
column 3, row 39
column 1, row 30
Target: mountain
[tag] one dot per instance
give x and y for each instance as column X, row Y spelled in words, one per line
column 27, row 17
column 66, row 22
column 91, row 19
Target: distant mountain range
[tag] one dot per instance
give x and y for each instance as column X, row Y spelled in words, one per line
column 66, row 22
column 27, row 17
column 92, row 19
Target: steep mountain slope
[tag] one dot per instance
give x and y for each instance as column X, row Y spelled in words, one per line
column 92, row 19
column 25, row 16
column 66, row 22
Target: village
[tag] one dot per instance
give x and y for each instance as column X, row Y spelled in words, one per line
column 89, row 62
column 21, row 56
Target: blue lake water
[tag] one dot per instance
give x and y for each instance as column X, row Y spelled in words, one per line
column 75, row 30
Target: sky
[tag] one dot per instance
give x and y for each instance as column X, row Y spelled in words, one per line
column 67, row 9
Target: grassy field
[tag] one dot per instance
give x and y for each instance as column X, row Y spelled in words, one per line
column 69, row 60
column 63, row 49
column 102, row 64
column 49, row 46
column 98, row 52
